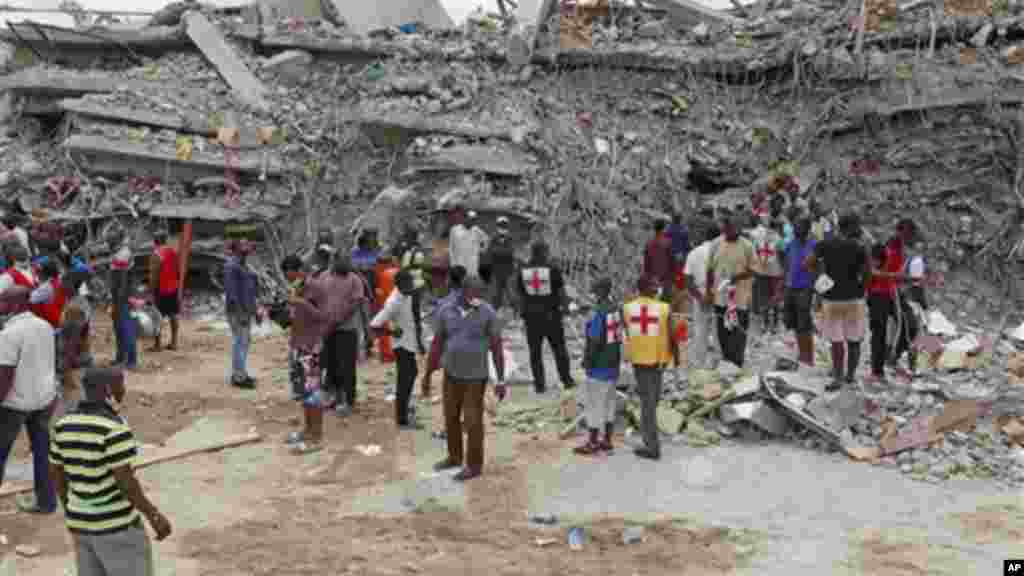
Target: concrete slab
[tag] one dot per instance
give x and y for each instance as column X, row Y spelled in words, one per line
column 222, row 56
column 690, row 13
column 114, row 157
column 291, row 65
column 55, row 42
column 276, row 10
column 65, row 83
column 385, row 128
column 498, row 160
column 365, row 17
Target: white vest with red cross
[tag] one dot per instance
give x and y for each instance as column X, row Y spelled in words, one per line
column 537, row 281
column 647, row 330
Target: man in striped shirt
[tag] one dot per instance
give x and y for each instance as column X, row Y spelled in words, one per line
column 91, row 459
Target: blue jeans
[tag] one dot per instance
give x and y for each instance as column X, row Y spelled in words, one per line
column 126, row 332
column 241, row 336
column 37, row 425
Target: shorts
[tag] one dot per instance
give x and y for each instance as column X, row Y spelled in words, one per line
column 844, row 320
column 305, row 374
column 168, row 304
column 798, row 310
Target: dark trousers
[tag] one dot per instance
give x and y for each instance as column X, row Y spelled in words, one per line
column 126, row 339
column 910, row 328
column 880, row 308
column 37, row 426
column 417, row 314
column 733, row 342
column 500, row 288
column 464, row 401
column 406, row 378
column 648, row 385
column 540, row 327
column 341, row 353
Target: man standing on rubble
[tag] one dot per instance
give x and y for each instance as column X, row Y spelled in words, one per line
column 412, row 259
column 464, row 244
column 658, row 260
column 843, row 261
column 799, row 290
column 464, row 333
column 696, row 271
column 886, row 273
column 165, row 291
column 501, row 255
column 649, row 348
column 729, row 287
column 543, row 301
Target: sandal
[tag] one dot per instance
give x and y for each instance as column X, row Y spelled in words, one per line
column 306, row 447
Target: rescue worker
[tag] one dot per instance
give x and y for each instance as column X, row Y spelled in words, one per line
column 649, row 348
column 543, row 297
column 412, row 259
column 501, row 255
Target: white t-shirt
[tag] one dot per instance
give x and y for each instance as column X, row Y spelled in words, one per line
column 27, row 343
column 398, row 310
column 916, row 268
column 7, row 281
column 464, row 249
column 697, row 265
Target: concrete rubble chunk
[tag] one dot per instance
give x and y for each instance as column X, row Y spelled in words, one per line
column 365, row 17
column 689, row 13
column 277, row 10
column 222, row 56
column 113, row 157
column 291, row 65
column 498, row 160
column 54, row 41
column 759, row 413
column 65, row 83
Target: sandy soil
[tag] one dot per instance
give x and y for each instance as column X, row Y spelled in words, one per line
column 260, row 510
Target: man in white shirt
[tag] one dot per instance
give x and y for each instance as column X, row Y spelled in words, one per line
column 396, row 318
column 703, row 315
column 464, row 245
column 482, row 238
column 28, row 390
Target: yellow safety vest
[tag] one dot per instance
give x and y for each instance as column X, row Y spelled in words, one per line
column 647, row 332
column 412, row 261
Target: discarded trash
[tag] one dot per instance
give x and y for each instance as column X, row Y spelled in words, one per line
column 544, row 542
column 758, row 413
column 939, row 325
column 27, row 551
column 3, row 540
column 375, row 72
column 368, row 450
column 576, row 539
column 546, row 519
column 632, row 535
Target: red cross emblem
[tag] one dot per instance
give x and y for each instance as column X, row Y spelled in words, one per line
column 612, row 325
column 765, row 251
column 643, row 319
column 536, row 283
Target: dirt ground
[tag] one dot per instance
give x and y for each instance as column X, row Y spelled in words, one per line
column 259, row 510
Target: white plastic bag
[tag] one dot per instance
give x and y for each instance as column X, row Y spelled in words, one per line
column 823, row 284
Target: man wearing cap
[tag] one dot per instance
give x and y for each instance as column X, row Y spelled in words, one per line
column 464, row 333
column 91, row 460
column 729, row 287
column 412, row 259
column 240, row 286
column 501, row 255
column 542, row 290
column 28, row 390
column 649, row 348
column 165, row 289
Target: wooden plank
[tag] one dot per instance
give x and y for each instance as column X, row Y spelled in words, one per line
column 159, row 459
column 106, row 156
column 215, row 48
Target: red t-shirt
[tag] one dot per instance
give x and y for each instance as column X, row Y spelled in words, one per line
column 168, row 270
column 892, row 262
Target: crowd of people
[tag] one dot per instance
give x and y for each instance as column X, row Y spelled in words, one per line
column 769, row 261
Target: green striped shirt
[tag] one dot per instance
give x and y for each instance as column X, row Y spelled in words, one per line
column 89, row 444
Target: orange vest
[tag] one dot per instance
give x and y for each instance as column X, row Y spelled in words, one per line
column 385, row 281
column 647, row 332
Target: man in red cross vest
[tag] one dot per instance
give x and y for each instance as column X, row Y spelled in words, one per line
column 543, row 299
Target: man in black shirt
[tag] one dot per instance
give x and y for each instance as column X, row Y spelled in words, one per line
column 543, row 298
column 843, row 260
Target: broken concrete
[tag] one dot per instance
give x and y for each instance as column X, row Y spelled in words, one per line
column 366, row 17
column 497, row 160
column 757, row 412
column 222, row 56
column 48, row 83
column 112, row 157
column 387, row 129
column 214, row 212
column 292, row 65
column 689, row 13
column 273, row 11
column 54, row 43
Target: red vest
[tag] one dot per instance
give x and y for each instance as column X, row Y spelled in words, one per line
column 20, row 279
column 54, row 309
column 168, row 270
